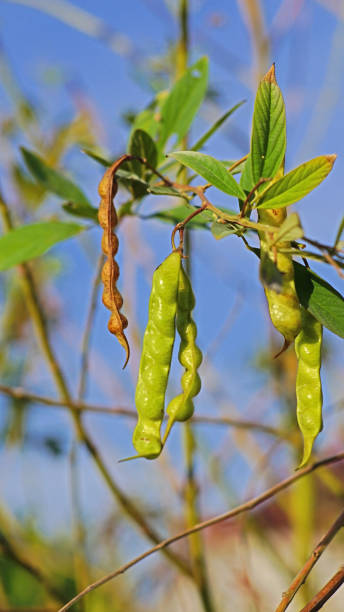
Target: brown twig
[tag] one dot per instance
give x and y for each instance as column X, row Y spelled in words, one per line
column 311, row 561
column 326, row 592
column 245, row 507
column 19, row 393
column 250, row 194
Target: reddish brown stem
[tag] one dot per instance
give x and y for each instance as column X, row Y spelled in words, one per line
column 326, row 592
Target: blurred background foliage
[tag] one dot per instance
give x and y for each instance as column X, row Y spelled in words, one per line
column 74, row 76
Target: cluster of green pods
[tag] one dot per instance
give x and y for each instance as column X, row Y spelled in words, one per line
column 295, row 324
column 170, row 305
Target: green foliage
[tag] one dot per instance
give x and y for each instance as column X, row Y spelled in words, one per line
column 296, row 184
column 321, row 299
column 142, row 145
column 268, row 141
column 290, row 229
column 30, row 241
column 216, row 126
column 211, row 169
column 53, row 181
column 183, row 102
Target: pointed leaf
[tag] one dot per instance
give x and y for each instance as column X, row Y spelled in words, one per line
column 142, row 145
column 52, row 180
column 199, row 144
column 29, row 241
column 146, row 120
column 179, row 213
column 246, row 179
column 183, row 102
column 339, row 234
column 290, row 229
column 228, row 163
column 211, row 169
column 77, row 210
column 98, row 158
column 268, row 142
column 166, row 190
column 315, row 294
column 321, row 299
column 222, row 230
column 295, row 185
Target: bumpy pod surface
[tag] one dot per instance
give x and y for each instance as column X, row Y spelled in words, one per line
column 284, row 307
column 156, row 357
column 107, row 218
column 181, row 407
column 308, row 383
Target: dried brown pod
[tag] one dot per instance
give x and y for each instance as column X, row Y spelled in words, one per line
column 107, row 218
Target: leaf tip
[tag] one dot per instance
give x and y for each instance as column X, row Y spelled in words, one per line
column 270, row 76
column 331, row 158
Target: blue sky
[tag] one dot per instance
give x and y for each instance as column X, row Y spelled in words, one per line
column 309, row 57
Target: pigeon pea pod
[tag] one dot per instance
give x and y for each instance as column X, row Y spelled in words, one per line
column 283, row 302
column 181, row 407
column 108, row 220
column 156, row 357
column 308, row 383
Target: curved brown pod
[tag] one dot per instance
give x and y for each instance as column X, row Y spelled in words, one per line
column 107, row 218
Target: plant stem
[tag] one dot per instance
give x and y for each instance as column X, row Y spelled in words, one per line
column 326, row 592
column 191, row 490
column 19, row 393
column 300, row 578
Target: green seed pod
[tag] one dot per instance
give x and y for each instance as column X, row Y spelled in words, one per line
column 156, row 357
column 181, row 407
column 308, row 382
column 283, row 303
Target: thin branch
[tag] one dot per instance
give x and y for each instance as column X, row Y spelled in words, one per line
column 300, row 578
column 326, row 592
column 245, row 507
column 19, row 393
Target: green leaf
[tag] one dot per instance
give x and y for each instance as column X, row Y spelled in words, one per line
column 321, row 299
column 142, row 145
column 290, row 229
column 222, row 230
column 52, row 180
column 179, row 213
column 146, row 120
column 295, row 185
column 30, row 241
column 339, row 233
column 166, row 190
column 315, row 294
column 268, row 141
column 228, row 163
column 246, row 179
column 183, row 102
column 211, row 169
column 98, row 158
column 199, row 144
column 77, row 210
